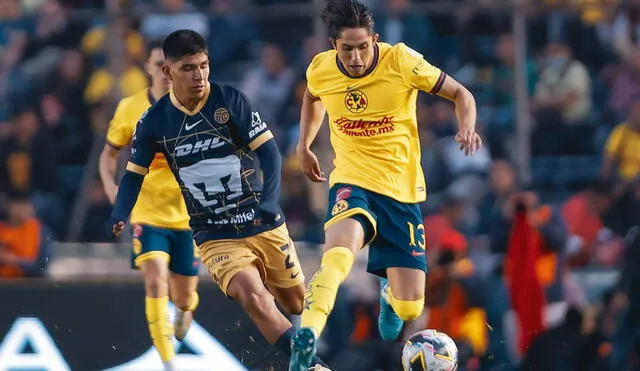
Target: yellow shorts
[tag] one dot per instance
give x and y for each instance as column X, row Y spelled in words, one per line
column 272, row 252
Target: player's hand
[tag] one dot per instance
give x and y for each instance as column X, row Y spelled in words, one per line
column 469, row 141
column 264, row 217
column 115, row 228
column 310, row 165
column 112, row 192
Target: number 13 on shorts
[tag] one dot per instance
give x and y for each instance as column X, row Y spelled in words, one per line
column 419, row 239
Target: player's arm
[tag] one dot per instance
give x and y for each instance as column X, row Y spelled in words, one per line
column 142, row 153
column 118, row 135
column 256, row 135
column 311, row 117
column 465, row 113
column 420, row 74
column 107, row 166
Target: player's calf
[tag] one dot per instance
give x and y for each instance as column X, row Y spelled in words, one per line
column 156, row 308
column 290, row 299
column 186, row 300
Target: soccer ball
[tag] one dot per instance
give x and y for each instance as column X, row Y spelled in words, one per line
column 430, row 350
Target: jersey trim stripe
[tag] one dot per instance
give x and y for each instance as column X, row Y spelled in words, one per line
column 439, row 83
column 260, row 140
column 151, row 255
column 196, row 110
column 353, row 212
column 137, row 168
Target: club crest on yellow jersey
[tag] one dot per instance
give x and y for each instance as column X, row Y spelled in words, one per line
column 356, row 101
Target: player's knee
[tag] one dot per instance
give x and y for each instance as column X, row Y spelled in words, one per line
column 293, row 306
column 408, row 310
column 257, row 302
column 182, row 300
column 156, row 286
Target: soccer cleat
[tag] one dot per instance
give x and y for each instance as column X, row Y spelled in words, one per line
column 181, row 323
column 303, row 349
column 318, row 367
column 168, row 366
column 389, row 324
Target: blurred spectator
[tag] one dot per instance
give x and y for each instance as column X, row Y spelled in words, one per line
column 173, row 15
column 29, row 162
column 54, row 32
column 563, row 342
column 398, row 23
column 95, row 42
column 101, row 82
column 440, row 229
column 502, row 185
column 498, row 94
column 562, row 104
column 99, row 211
column 232, row 33
column 589, row 240
column 533, row 237
column 622, row 151
column 268, row 85
column 20, row 241
column 625, row 88
column 68, row 82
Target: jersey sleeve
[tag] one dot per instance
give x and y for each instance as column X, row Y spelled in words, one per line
column 417, row 72
column 143, row 146
column 120, row 129
column 252, row 130
column 311, row 76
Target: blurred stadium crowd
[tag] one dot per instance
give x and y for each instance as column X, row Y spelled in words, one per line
column 583, row 77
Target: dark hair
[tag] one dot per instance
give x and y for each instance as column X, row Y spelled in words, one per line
column 151, row 45
column 341, row 14
column 182, row 43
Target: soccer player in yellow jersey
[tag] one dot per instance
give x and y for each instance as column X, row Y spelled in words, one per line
column 163, row 246
column 369, row 90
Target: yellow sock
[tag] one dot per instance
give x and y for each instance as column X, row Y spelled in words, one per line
column 407, row 310
column 323, row 287
column 195, row 300
column 160, row 327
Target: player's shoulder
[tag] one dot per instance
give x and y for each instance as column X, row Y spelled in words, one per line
column 232, row 98
column 134, row 101
column 402, row 49
column 228, row 93
column 321, row 61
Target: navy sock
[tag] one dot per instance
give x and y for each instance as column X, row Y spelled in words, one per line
column 284, row 341
column 284, row 345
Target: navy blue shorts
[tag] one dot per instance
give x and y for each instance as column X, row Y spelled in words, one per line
column 174, row 245
column 393, row 229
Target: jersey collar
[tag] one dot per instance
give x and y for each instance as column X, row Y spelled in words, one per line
column 178, row 105
column 376, row 56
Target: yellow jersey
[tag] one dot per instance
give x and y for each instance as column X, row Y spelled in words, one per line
column 372, row 118
column 622, row 145
column 160, row 203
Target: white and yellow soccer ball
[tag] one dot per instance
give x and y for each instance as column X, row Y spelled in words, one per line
column 430, row 350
